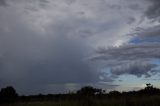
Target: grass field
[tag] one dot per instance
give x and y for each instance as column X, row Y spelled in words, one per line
column 115, row 101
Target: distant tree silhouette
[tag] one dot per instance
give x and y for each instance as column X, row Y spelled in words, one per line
column 8, row 94
column 149, row 86
column 88, row 90
column 149, row 90
column 87, row 95
column 114, row 93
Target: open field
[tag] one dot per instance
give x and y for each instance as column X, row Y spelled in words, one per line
column 90, row 101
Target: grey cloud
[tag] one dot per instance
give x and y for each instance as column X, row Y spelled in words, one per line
column 31, row 61
column 153, row 12
column 41, row 43
column 114, row 6
column 129, row 59
column 130, row 52
column 150, row 32
column 134, row 7
column 135, row 68
column 70, row 1
column 3, row 3
column 31, row 58
column 44, row 1
column 131, row 20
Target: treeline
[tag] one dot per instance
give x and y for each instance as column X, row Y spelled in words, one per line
column 9, row 95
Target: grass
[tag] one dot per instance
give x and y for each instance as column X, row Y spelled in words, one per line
column 115, row 101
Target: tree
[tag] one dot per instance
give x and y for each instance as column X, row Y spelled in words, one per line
column 149, row 90
column 114, row 93
column 8, row 92
column 88, row 90
column 149, row 86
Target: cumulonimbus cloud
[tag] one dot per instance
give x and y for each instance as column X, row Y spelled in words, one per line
column 48, row 42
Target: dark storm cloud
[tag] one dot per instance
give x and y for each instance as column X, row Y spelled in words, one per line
column 130, row 59
column 136, row 68
column 31, row 57
column 130, row 52
column 29, row 60
column 131, row 20
column 150, row 32
column 3, row 3
column 45, row 44
column 153, row 12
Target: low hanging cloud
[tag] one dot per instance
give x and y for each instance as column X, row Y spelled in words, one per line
column 130, row 59
column 137, row 68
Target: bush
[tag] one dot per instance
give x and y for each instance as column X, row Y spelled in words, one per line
column 8, row 94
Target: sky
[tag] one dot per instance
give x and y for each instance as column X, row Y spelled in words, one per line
column 56, row 46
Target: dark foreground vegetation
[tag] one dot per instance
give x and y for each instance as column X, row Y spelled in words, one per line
column 86, row 96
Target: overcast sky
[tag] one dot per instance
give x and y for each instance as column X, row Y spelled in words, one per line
column 52, row 46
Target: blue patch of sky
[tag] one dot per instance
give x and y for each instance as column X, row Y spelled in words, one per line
column 138, row 40
column 156, row 61
column 106, row 71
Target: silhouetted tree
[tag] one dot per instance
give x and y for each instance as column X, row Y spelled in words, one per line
column 114, row 93
column 149, row 86
column 8, row 94
column 88, row 90
column 149, row 90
